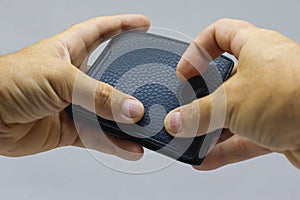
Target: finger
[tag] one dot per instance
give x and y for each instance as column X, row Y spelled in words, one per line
column 206, row 114
column 233, row 150
column 87, row 138
column 73, row 86
column 225, row 35
column 80, row 39
column 110, row 145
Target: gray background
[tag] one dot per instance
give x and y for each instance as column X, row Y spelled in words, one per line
column 71, row 173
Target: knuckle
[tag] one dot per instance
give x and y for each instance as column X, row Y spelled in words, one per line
column 216, row 158
column 231, row 21
column 197, row 116
column 57, row 72
column 61, row 80
column 223, row 20
column 205, row 114
column 104, row 95
column 190, row 117
column 61, row 48
column 241, row 144
column 192, row 111
column 243, row 24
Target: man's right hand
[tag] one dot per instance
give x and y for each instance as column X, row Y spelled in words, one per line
column 262, row 95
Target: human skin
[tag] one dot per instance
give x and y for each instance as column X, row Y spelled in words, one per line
column 262, row 95
column 36, row 84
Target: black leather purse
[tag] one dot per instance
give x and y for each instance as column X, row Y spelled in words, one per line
column 144, row 66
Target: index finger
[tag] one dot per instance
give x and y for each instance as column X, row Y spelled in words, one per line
column 81, row 38
column 225, row 35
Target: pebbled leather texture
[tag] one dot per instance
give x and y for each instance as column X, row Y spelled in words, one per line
column 144, row 66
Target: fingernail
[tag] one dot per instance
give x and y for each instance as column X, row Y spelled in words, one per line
column 175, row 123
column 132, row 108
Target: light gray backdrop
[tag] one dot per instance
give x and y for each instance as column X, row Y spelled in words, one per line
column 71, row 173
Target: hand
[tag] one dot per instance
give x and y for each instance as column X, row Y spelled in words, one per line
column 262, row 95
column 36, row 84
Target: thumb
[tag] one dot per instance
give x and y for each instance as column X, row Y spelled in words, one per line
column 204, row 115
column 73, row 86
